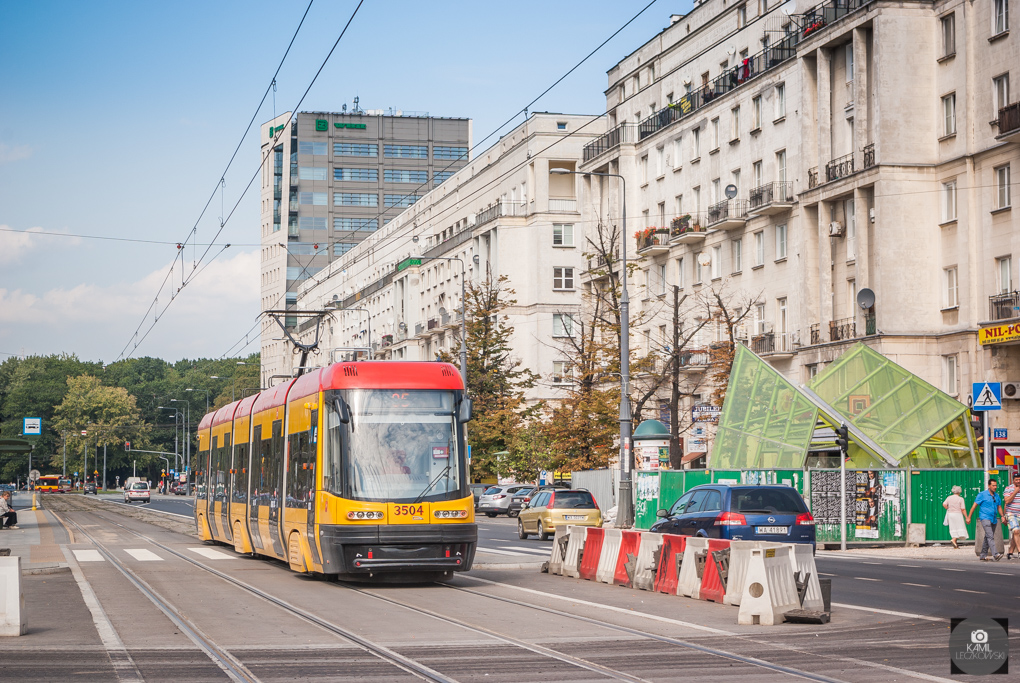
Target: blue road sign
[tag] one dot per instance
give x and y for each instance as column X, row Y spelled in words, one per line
column 986, row 396
column 1000, row 434
column 32, row 426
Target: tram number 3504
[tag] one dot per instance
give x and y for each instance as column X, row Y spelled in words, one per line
column 407, row 510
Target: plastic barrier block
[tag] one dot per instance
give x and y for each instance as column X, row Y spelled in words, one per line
column 740, row 554
column 592, row 551
column 803, row 558
column 559, row 549
column 671, row 555
column 575, row 550
column 611, row 540
column 13, row 617
column 689, row 581
column 713, row 580
column 630, row 543
column 644, row 567
column 769, row 590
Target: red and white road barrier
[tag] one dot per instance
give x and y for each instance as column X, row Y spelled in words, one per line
column 642, row 575
column 611, row 540
column 689, row 582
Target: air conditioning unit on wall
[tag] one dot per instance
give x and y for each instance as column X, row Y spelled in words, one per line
column 835, row 229
column 1011, row 390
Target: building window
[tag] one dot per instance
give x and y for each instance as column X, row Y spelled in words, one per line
column 696, row 144
column 1000, row 16
column 759, row 319
column 949, row 114
column 660, row 161
column 952, row 288
column 661, row 277
column 949, row 201
column 1000, row 94
column 756, row 113
column 756, row 174
column 393, row 175
column 680, row 272
column 441, row 176
column 738, row 255
column 715, row 133
column 561, row 125
column 370, row 175
column 355, row 199
column 563, row 234
column 341, row 248
column 781, row 166
column 313, row 198
column 759, row 248
column 697, row 198
column 678, row 204
column 356, row 224
column 949, row 379
column 297, row 273
column 311, row 223
column 406, row 151
column 1002, row 194
column 716, row 191
column 562, row 371
column 735, row 121
column 1004, row 271
column 742, row 16
column 312, row 173
column 716, row 262
column 563, row 278
column 948, row 24
column 563, row 325
column 849, row 214
column 780, row 101
column 314, row 148
column 454, row 153
column 644, row 169
column 355, row 149
column 780, row 242
column 678, row 153
column 400, row 200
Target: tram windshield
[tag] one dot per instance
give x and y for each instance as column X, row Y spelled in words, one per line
column 399, row 446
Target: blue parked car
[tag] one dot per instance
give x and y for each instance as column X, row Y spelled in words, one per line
column 740, row 513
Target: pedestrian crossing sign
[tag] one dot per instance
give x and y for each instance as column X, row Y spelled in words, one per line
column 986, row 396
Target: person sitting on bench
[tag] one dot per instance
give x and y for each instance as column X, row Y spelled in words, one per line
column 8, row 517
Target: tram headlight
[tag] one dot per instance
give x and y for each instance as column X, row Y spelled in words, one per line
column 450, row 514
column 365, row 514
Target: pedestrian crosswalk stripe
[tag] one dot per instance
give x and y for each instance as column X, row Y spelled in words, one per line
column 537, row 551
column 212, row 554
column 143, row 555
column 502, row 552
column 88, row 555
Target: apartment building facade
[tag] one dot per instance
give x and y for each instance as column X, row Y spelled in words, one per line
column 845, row 167
column 329, row 180
column 397, row 295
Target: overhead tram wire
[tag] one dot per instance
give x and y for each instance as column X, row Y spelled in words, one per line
column 194, row 230
column 226, row 219
column 414, row 193
column 103, row 237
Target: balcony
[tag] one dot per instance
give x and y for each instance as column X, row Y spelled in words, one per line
column 815, row 334
column 842, row 330
column 763, row 344
column 770, row 198
column 869, row 156
column 839, row 168
column 1004, row 306
column 870, row 325
column 609, row 140
column 652, row 241
column 686, row 229
column 433, row 323
column 501, row 208
column 1009, row 123
column 816, row 19
column 694, row 360
column 727, row 215
column 812, row 177
column 418, row 328
column 563, row 205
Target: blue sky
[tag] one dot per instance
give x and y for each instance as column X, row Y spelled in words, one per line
column 118, row 118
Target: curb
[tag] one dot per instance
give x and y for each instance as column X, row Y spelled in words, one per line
column 58, row 568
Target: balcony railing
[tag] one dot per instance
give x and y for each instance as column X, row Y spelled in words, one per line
column 870, row 327
column 568, row 205
column 695, row 358
column 607, row 141
column 1009, row 119
column 812, row 177
column 433, row 323
column 770, row 193
column 764, row 343
column 688, row 224
column 1004, row 306
column 659, row 237
column 869, row 156
column 728, row 213
column 816, row 334
column 822, row 15
column 839, row 168
column 841, row 330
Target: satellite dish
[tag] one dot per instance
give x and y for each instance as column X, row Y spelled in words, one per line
column 865, row 298
column 704, row 259
column 731, row 191
column 787, row 9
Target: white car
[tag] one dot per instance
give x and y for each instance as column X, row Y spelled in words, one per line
column 137, row 491
column 495, row 500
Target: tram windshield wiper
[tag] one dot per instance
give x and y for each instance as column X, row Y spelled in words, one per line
column 431, row 484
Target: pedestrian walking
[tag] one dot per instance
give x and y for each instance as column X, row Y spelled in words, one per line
column 989, row 506
column 1012, row 505
column 956, row 516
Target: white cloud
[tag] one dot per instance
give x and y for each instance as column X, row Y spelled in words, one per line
column 14, row 245
column 10, row 154
column 94, row 321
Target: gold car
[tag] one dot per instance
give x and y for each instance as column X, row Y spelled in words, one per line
column 550, row 509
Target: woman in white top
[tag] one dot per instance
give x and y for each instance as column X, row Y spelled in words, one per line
column 956, row 515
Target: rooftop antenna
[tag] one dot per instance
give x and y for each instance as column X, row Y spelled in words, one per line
column 344, row 108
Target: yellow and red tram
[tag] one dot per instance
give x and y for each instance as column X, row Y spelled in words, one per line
column 358, row 469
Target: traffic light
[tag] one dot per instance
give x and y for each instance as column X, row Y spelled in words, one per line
column 843, row 438
column 127, row 445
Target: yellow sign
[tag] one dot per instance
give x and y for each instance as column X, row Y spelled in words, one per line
column 999, row 334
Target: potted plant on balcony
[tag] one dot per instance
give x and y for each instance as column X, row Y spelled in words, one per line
column 815, row 25
column 680, row 224
column 644, row 237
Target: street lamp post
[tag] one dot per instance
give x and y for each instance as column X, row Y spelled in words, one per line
column 625, row 511
column 187, row 438
column 176, row 413
column 463, row 313
column 206, row 397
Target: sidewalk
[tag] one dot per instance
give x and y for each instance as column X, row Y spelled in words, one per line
column 928, row 552
column 37, row 539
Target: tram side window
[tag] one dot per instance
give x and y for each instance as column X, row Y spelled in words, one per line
column 272, row 465
column 203, row 475
column 332, row 450
column 241, row 467
column 259, row 455
column 301, row 477
column 221, row 468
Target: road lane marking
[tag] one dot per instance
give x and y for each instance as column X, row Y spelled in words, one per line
column 888, row 611
column 212, row 554
column 502, row 552
column 949, row 569
column 964, row 590
column 912, row 566
column 871, row 563
column 865, row 578
column 537, row 551
column 611, row 608
column 143, row 555
column 1000, row 574
column 919, row 585
column 824, row 574
column 88, row 556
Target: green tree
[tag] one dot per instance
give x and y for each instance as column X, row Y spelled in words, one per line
column 497, row 381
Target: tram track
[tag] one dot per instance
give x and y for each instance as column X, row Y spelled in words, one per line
column 236, row 670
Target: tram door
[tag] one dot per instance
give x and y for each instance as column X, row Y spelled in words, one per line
column 223, row 486
column 274, row 481
column 259, row 449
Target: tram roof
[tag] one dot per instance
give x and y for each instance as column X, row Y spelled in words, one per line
column 391, row 375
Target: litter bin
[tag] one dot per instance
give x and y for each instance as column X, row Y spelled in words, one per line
column 826, row 586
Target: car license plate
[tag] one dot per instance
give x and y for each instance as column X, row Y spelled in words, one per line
column 772, row 529
column 573, row 518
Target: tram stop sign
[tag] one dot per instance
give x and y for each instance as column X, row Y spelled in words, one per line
column 34, row 475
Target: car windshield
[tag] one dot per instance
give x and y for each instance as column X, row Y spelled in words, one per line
column 573, row 499
column 399, row 446
column 767, row 501
column 491, row 491
column 138, row 486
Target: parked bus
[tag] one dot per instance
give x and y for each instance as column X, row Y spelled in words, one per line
column 53, row 483
column 357, row 470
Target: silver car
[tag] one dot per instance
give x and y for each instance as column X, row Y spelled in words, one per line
column 495, row 500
